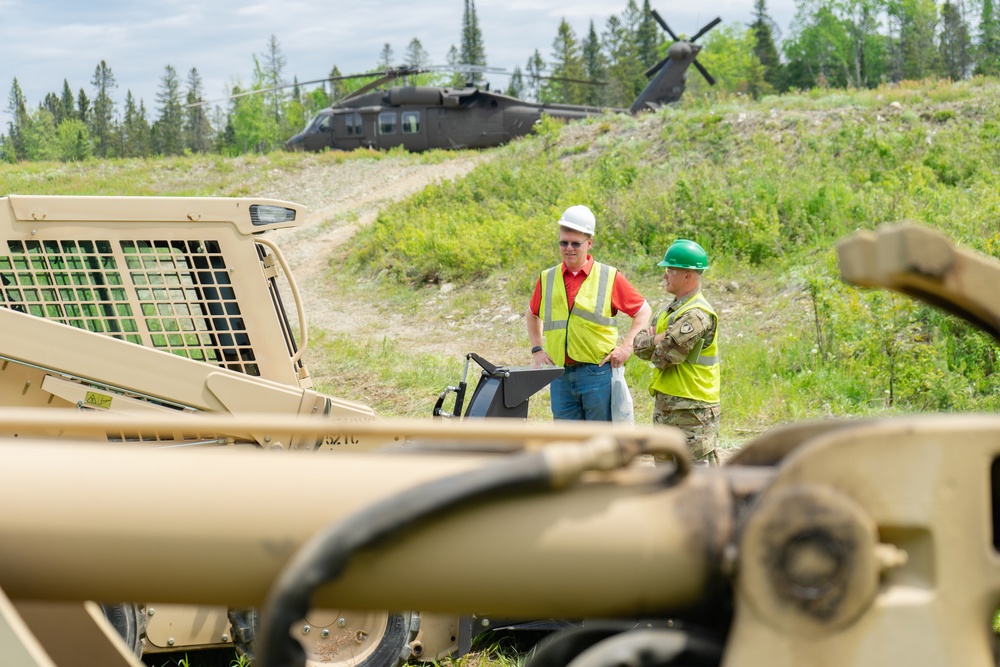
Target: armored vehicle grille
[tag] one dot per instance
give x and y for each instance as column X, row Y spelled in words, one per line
column 175, row 296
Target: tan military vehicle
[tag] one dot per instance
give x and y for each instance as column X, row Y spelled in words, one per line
column 839, row 543
column 152, row 306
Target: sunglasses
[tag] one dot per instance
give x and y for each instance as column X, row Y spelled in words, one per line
column 574, row 244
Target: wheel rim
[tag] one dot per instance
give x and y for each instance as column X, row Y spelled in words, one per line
column 341, row 638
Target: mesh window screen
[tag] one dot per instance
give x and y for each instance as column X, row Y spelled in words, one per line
column 175, row 296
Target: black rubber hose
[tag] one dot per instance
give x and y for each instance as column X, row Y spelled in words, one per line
column 326, row 554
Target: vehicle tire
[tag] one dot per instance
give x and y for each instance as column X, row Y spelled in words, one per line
column 338, row 638
column 129, row 621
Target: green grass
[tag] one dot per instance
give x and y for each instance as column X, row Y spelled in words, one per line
column 768, row 187
column 189, row 175
column 393, row 381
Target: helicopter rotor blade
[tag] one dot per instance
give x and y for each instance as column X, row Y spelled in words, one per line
column 388, row 75
column 391, row 74
column 659, row 19
column 563, row 79
column 480, row 69
column 708, row 26
column 704, row 72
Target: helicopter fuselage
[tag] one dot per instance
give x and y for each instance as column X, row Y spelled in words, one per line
column 425, row 117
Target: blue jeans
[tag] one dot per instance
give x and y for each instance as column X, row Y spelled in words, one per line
column 582, row 392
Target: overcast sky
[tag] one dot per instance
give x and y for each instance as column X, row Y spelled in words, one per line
column 43, row 42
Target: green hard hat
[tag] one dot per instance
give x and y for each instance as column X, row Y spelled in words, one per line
column 684, row 254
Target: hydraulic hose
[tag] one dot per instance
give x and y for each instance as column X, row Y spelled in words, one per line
column 324, row 557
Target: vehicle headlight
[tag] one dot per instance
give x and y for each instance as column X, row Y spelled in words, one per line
column 261, row 214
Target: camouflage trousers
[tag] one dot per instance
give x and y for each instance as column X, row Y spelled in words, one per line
column 699, row 421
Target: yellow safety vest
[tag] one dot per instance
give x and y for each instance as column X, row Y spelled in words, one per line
column 697, row 377
column 589, row 332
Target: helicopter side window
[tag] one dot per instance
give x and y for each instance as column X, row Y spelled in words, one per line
column 352, row 122
column 387, row 122
column 411, row 122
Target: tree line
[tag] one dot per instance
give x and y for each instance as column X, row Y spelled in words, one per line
column 830, row 43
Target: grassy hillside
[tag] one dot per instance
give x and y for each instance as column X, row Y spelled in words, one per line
column 767, row 187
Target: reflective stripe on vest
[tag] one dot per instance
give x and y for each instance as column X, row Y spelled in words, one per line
column 698, row 377
column 587, row 333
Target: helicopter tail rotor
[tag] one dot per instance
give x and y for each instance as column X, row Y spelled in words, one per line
column 677, row 40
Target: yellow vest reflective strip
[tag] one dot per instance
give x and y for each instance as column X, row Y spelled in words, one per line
column 548, row 323
column 589, row 332
column 698, row 378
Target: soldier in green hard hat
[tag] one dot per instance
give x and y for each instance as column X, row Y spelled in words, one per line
column 682, row 344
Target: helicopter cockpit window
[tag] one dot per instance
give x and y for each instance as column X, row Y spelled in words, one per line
column 411, row 122
column 387, row 122
column 324, row 124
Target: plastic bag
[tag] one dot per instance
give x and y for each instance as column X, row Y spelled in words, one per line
column 621, row 398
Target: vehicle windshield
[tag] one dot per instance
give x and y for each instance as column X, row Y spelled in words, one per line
column 312, row 122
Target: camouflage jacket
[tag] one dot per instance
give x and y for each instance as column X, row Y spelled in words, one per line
column 682, row 335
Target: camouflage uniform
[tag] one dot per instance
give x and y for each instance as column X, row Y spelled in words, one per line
column 698, row 420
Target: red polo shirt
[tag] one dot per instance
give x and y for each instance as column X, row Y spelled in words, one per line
column 624, row 297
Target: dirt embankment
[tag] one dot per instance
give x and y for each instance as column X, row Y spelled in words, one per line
column 343, row 198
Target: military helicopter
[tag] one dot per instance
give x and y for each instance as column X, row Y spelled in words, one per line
column 420, row 118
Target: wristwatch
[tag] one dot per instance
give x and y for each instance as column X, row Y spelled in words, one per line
column 537, row 348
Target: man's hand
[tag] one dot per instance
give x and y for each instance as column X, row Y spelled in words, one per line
column 619, row 355
column 655, row 338
column 541, row 358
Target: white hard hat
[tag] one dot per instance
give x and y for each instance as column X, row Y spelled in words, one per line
column 579, row 218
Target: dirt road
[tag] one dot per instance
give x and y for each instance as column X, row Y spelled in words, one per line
column 342, row 198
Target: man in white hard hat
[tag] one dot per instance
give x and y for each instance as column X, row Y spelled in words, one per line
column 571, row 321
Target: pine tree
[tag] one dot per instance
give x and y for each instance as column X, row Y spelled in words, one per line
column 337, row 89
column 104, row 108
column 954, row 43
column 625, row 73
column 647, row 38
column 385, row 59
column 67, row 105
column 472, row 51
column 566, row 64
column 144, row 135
column 594, row 67
column 83, row 106
column 515, row 87
column 416, row 54
column 14, row 147
column 197, row 129
column 127, row 136
column 167, row 130
column 51, row 104
column 274, row 66
column 764, row 29
column 535, row 69
column 989, row 40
